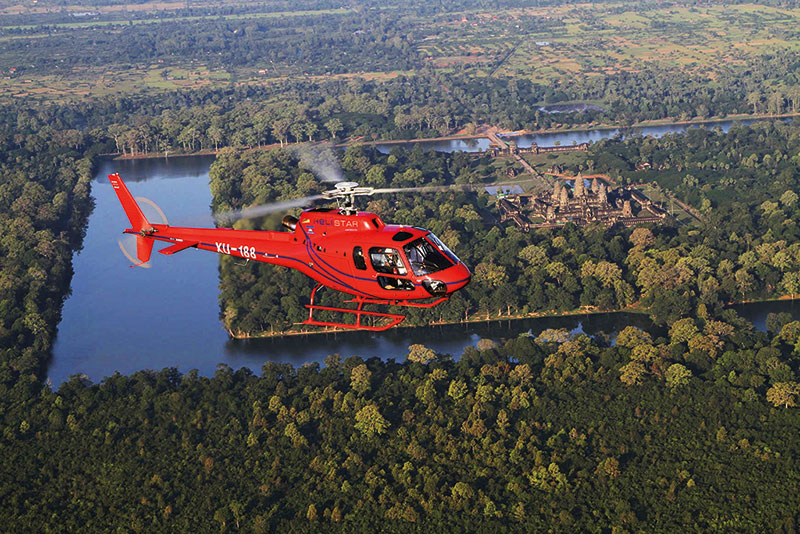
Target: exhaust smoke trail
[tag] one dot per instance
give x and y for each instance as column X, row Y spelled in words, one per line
column 229, row 217
column 321, row 160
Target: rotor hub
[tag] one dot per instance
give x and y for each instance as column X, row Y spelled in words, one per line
column 345, row 194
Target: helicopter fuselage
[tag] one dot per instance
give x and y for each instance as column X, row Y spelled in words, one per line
column 349, row 251
column 355, row 253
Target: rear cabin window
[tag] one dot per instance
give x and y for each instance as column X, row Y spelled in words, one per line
column 358, row 259
column 386, row 260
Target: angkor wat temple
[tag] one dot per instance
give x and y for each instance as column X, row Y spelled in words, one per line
column 580, row 205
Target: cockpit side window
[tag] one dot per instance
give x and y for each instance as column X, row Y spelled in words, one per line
column 386, row 260
column 427, row 257
column 358, row 259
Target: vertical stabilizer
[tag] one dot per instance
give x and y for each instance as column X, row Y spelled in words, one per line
column 138, row 221
column 144, row 247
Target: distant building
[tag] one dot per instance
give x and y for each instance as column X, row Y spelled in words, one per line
column 580, row 205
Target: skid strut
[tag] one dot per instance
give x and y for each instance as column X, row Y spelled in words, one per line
column 359, row 312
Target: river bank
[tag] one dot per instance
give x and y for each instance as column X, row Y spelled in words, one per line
column 483, row 133
column 583, row 311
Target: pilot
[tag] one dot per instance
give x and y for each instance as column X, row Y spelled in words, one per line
column 393, row 261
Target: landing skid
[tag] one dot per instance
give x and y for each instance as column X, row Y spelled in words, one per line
column 359, row 312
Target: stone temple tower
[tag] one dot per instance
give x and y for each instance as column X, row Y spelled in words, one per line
column 579, row 186
column 564, row 200
column 626, row 209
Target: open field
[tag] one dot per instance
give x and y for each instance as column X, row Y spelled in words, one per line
column 572, row 44
column 592, row 40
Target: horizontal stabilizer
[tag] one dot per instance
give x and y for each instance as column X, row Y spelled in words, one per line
column 177, row 247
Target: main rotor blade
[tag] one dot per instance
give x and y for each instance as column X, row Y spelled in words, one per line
column 427, row 188
column 445, row 188
column 229, row 217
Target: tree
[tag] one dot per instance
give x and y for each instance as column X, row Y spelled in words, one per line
column 375, row 176
column 791, row 283
column 784, row 394
column 370, row 422
column 334, row 126
column 457, row 389
column 311, row 513
column 279, row 129
column 683, row 330
column 297, row 130
column 608, row 468
column 754, row 99
column 215, row 134
column 462, row 491
column 677, row 375
column 789, row 198
column 631, row 336
column 420, row 354
column 360, row 378
column 491, row 274
column 311, row 129
column 237, row 510
column 632, row 373
column 642, row 237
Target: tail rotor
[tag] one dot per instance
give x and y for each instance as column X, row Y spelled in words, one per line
column 137, row 248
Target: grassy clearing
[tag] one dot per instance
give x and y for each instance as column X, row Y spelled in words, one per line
column 567, row 160
column 103, row 82
column 656, row 195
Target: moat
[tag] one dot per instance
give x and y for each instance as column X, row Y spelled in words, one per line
column 119, row 319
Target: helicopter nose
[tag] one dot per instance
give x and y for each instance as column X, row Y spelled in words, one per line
column 462, row 276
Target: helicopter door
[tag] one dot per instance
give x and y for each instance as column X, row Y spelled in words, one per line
column 388, row 261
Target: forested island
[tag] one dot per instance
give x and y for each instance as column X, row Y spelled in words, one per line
column 691, row 425
column 743, row 183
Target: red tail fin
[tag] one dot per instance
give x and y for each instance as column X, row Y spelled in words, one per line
column 144, row 247
column 138, row 220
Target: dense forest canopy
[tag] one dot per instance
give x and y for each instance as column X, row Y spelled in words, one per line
column 556, row 432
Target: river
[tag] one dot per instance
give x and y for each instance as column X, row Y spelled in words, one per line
column 122, row 319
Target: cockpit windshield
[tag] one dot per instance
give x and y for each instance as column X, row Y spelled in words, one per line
column 428, row 255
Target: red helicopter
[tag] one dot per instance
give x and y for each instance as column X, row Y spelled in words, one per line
column 341, row 248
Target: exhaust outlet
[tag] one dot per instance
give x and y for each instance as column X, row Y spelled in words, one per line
column 289, row 222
